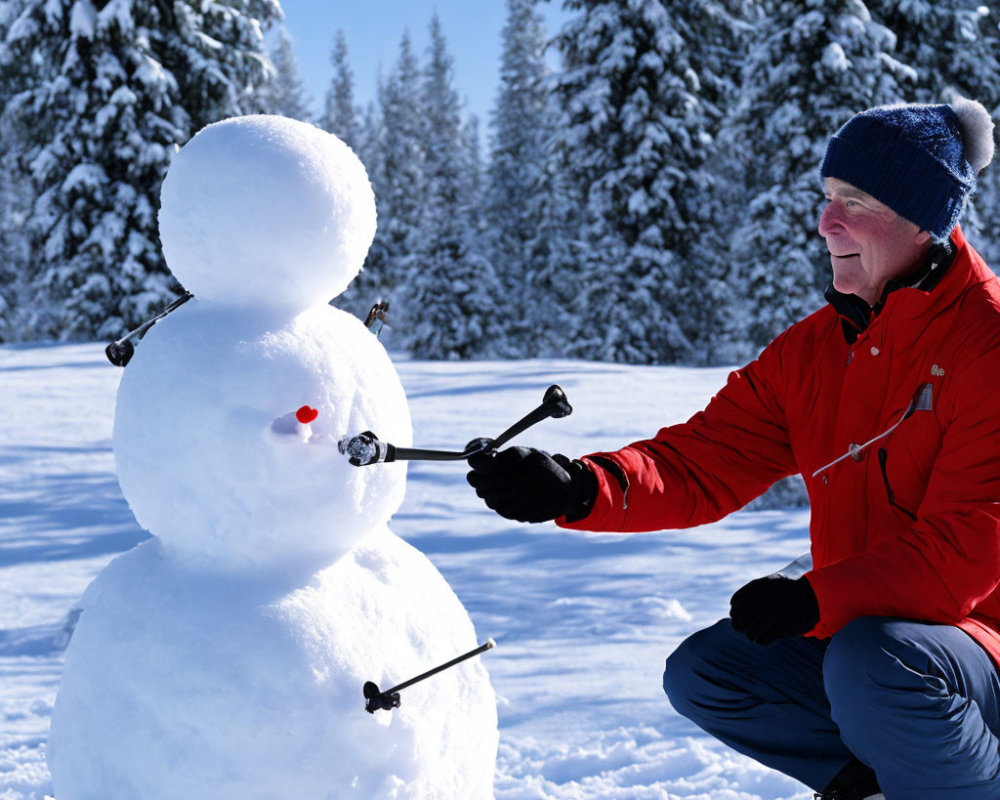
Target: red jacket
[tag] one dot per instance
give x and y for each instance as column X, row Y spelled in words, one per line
column 908, row 526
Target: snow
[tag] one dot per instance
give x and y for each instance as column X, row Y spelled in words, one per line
column 306, row 241
column 89, row 176
column 835, row 59
column 197, row 418
column 118, row 12
column 582, row 621
column 216, row 693
column 82, row 18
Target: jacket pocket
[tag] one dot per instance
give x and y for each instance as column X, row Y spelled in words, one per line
column 883, row 459
column 906, row 460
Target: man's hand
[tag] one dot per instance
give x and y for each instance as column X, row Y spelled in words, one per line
column 527, row 485
column 769, row 609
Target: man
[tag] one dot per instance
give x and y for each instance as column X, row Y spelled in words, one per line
column 874, row 673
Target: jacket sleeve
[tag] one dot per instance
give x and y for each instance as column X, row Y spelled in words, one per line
column 948, row 561
column 703, row 469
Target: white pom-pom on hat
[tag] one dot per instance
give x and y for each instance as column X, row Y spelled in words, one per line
column 977, row 131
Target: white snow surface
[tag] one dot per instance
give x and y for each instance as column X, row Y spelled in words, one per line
column 582, row 621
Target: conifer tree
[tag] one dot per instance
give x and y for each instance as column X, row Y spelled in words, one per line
column 519, row 192
column 632, row 140
column 813, row 66
column 340, row 115
column 450, row 288
column 13, row 188
column 708, row 293
column 473, row 173
column 133, row 80
column 217, row 54
column 371, row 286
column 954, row 49
column 341, row 118
column 394, row 158
column 554, row 283
column 370, row 133
column 287, row 94
column 15, row 300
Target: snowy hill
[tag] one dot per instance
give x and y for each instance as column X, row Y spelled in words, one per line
column 582, row 621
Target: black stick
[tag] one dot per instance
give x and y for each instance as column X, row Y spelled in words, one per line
column 120, row 351
column 554, row 404
column 366, row 448
column 389, row 699
column 489, row 645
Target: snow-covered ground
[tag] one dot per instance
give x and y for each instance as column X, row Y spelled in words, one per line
column 582, row 621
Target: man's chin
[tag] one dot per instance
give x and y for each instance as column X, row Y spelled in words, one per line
column 844, row 284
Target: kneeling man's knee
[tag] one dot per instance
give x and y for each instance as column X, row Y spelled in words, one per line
column 684, row 674
column 866, row 661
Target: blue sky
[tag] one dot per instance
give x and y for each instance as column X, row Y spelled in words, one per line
column 374, row 28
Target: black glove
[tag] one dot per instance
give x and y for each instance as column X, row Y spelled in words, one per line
column 527, row 485
column 773, row 608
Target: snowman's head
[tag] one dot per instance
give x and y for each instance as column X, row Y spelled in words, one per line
column 265, row 210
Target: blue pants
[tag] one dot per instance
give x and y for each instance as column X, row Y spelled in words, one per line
column 918, row 703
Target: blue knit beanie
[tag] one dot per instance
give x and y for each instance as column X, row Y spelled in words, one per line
column 920, row 160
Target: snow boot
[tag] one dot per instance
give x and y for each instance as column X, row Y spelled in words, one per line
column 854, row 782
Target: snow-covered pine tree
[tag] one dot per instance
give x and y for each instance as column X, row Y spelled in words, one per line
column 14, row 254
column 218, row 56
column 370, row 134
column 473, row 183
column 451, row 289
column 954, row 48
column 553, row 283
column 95, row 135
column 473, row 172
column 721, row 32
column 370, row 285
column 286, row 94
column 13, row 187
column 633, row 139
column 518, row 191
column 134, row 79
column 392, row 152
column 340, row 115
column 813, row 65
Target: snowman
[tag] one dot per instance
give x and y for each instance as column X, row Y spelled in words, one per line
column 225, row 656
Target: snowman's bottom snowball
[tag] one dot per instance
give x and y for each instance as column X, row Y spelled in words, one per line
column 194, row 686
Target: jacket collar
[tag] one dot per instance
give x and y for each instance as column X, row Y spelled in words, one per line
column 855, row 314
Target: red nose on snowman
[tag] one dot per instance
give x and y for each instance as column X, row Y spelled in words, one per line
column 294, row 422
column 306, row 414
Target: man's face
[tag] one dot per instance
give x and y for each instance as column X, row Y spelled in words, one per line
column 869, row 243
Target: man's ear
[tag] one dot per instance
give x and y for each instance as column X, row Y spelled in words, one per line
column 923, row 237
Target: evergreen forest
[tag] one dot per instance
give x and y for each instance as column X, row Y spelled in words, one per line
column 651, row 200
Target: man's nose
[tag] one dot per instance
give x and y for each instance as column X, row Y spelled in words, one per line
column 828, row 220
